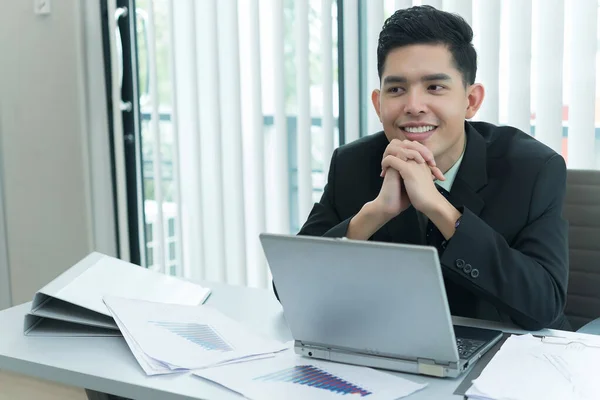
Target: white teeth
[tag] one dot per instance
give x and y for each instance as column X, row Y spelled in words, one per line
column 419, row 129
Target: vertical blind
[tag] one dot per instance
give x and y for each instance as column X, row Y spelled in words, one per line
column 253, row 141
column 155, row 132
column 519, row 65
column 234, row 176
column 540, row 74
column 582, row 96
column 374, row 21
column 548, row 71
column 231, row 142
column 237, row 161
column 487, row 43
column 327, row 84
column 279, row 207
column 303, row 99
column 351, row 71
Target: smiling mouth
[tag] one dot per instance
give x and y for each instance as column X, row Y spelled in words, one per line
column 419, row 129
column 418, row 133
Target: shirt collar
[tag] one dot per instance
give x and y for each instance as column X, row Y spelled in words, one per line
column 451, row 173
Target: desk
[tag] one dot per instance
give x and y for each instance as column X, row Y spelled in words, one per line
column 107, row 365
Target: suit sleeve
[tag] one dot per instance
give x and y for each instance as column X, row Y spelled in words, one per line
column 324, row 219
column 528, row 278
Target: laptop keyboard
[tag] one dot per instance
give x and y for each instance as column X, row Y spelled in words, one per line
column 466, row 347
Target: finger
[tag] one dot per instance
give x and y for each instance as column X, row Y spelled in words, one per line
column 438, row 173
column 424, row 151
column 400, row 165
column 393, row 148
column 412, row 155
column 404, row 154
column 409, row 154
column 383, row 171
column 398, row 147
column 393, row 162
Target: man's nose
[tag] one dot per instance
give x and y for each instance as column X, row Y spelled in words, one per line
column 415, row 103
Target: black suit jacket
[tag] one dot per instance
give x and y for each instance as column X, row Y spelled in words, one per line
column 508, row 259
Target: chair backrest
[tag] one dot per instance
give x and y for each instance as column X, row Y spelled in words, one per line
column 582, row 210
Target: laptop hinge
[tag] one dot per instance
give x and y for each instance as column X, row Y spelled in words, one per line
column 428, row 366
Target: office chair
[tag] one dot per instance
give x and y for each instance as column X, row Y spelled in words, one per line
column 582, row 211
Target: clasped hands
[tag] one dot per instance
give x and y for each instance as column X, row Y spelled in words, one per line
column 408, row 169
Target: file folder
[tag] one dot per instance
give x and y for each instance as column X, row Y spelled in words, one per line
column 72, row 304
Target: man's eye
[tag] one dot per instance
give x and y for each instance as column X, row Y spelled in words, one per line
column 395, row 90
column 436, row 88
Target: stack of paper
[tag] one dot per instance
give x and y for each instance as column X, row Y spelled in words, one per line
column 289, row 376
column 71, row 305
column 528, row 367
column 167, row 338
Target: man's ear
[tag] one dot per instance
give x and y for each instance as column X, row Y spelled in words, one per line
column 375, row 99
column 475, row 95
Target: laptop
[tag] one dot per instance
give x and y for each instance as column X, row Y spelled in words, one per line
column 381, row 305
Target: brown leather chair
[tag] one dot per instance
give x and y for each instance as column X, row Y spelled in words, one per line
column 582, row 210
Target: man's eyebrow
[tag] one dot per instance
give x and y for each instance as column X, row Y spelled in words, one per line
column 436, row 77
column 394, row 79
column 427, row 78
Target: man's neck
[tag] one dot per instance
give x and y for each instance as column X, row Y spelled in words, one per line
column 449, row 158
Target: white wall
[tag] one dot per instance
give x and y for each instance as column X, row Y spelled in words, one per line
column 45, row 142
column 5, row 289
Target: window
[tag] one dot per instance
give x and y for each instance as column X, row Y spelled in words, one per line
column 172, row 255
column 172, row 158
column 158, row 148
column 150, row 256
column 149, row 232
column 171, row 223
column 231, row 148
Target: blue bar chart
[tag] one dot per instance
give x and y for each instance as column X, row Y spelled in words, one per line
column 203, row 335
column 312, row 376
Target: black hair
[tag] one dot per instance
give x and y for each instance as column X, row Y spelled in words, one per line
column 428, row 25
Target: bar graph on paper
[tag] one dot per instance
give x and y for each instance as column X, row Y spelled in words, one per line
column 312, row 376
column 203, row 335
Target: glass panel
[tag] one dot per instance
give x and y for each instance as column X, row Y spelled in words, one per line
column 150, row 257
column 171, row 225
column 167, row 148
column 149, row 229
column 172, row 254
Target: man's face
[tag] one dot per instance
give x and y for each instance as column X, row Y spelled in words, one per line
column 423, row 98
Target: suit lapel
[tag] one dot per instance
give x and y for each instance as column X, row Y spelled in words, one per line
column 472, row 174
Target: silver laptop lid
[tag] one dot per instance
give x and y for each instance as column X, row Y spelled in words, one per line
column 379, row 298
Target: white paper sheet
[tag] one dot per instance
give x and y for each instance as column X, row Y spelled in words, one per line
column 527, row 367
column 113, row 277
column 148, row 364
column 167, row 338
column 289, row 376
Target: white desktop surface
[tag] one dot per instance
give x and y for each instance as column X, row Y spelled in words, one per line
column 107, row 365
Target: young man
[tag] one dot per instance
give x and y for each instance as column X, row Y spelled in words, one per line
column 489, row 198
